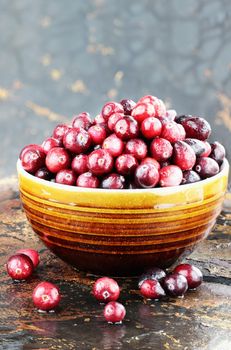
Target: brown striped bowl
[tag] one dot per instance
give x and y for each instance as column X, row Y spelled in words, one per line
column 121, row 232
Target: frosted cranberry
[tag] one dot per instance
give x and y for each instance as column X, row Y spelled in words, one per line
column 59, row 131
column 154, row 273
column 79, row 164
column 197, row 145
column 50, row 143
column 190, row 176
column 160, row 108
column 32, row 146
column 183, row 155
column 173, row 132
column 175, row 285
column 113, row 119
column 148, row 99
column 43, row 173
column 82, row 121
column 152, row 161
column 46, row 296
column 196, row 127
column 77, row 140
column 161, row 149
column 126, row 164
column 170, row 175
column 19, row 267
column 114, row 312
column 114, row 145
column 113, row 181
column 171, row 114
column 192, row 274
column 57, row 159
column 217, row 152
column 111, row 108
column 142, row 111
column 32, row 254
column 137, row 148
column 32, row 159
column 100, row 162
column 87, row 180
column 126, row 128
column 206, row 167
column 128, row 106
column 97, row 133
column 208, row 149
column 152, row 289
column 66, row 177
column 99, row 119
column 106, row 289
column 151, row 127
column 146, row 175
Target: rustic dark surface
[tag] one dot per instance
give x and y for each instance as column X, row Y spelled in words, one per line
column 201, row 320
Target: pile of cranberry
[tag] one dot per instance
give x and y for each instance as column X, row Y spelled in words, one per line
column 128, row 145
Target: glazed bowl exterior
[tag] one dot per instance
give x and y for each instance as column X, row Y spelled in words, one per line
column 121, row 232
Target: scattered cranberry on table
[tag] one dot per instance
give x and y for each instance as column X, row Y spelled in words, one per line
column 46, row 296
column 32, row 254
column 106, row 289
column 151, row 289
column 191, row 273
column 20, row 267
column 114, row 312
column 152, row 274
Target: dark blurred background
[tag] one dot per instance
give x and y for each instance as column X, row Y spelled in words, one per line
column 59, row 58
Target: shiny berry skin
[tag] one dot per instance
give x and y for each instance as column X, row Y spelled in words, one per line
column 151, row 127
column 192, row 274
column 171, row 114
column 183, row 155
column 106, row 289
column 77, row 140
column 161, row 149
column 208, row 149
column 113, row 119
column 46, row 296
column 79, row 164
column 152, row 289
column 198, row 146
column 82, row 120
column 87, row 180
column 146, row 176
column 43, row 173
column 111, row 108
column 154, row 273
column 175, row 285
column 126, row 164
column 217, row 152
column 206, row 167
column 66, row 177
column 173, row 132
column 57, row 159
column 113, row 181
column 19, row 267
column 33, row 159
column 128, row 106
column 59, row 131
column 196, row 127
column 114, row 145
column 32, row 146
column 126, row 128
column 137, row 148
column 190, row 176
column 152, row 161
column 97, row 133
column 50, row 143
column 32, row 254
column 100, row 162
column 114, row 312
column 142, row 111
column 170, row 175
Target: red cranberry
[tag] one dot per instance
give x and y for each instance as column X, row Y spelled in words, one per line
column 152, row 289
column 146, row 175
column 113, row 119
column 148, row 99
column 142, row 111
column 128, row 106
column 97, row 133
column 43, row 173
column 19, row 267
column 208, row 149
column 161, row 149
column 183, row 155
column 59, row 131
column 82, row 121
column 46, row 296
column 137, row 148
column 99, row 119
column 57, row 159
column 111, row 108
column 32, row 254
column 126, row 128
column 190, row 176
column 50, row 143
column 217, row 152
column 175, row 285
column 29, row 147
column 79, row 164
column 160, row 108
column 173, row 132
column 151, row 127
column 113, row 181
column 197, row 145
column 106, row 289
column 66, row 177
column 152, row 274
column 87, row 180
column 171, row 114
column 32, row 159
column 196, row 127
column 100, row 162
column 77, row 140
column 170, row 175
column 114, row 312
column 114, row 145
column 152, row 161
column 206, row 167
column 191, row 273
column 126, row 164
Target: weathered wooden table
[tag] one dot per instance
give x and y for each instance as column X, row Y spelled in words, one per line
column 201, row 320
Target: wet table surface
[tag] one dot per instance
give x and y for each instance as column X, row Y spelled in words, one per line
column 201, row 320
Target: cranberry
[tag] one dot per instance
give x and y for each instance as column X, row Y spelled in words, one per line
column 160, row 108
column 137, row 148
column 114, row 145
column 127, row 128
column 217, row 152
column 100, row 162
column 191, row 273
column 152, row 274
column 146, row 175
column 173, row 132
column 19, row 267
column 50, row 143
column 181, row 118
column 79, row 164
column 197, row 145
column 99, row 119
column 57, row 159
column 77, row 140
column 111, row 108
column 171, row 114
column 82, row 121
column 32, row 146
column 175, row 285
column 208, row 149
column 106, row 289
column 196, row 127
column 170, row 175
column 142, row 111
column 128, row 106
column 161, row 149
column 151, row 127
column 113, row 181
column 46, row 296
column 126, row 164
column 113, row 119
column 206, row 167
column 152, row 289
column 190, row 176
column 59, row 131
column 32, row 254
column 32, row 159
column 114, row 312
column 97, row 133
column 43, row 173
column 183, row 155
column 87, row 180
column 66, row 177
column 148, row 99
column 152, row 161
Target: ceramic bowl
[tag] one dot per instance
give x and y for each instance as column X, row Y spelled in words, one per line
column 121, row 232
